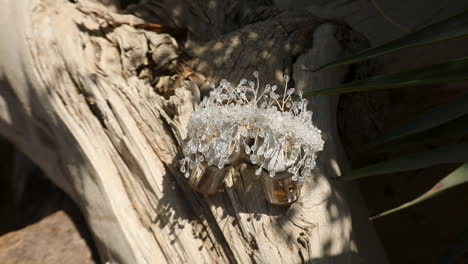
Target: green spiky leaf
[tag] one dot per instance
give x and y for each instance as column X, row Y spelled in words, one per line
column 457, row 177
column 452, row 130
column 448, row 154
column 431, row 118
column 454, row 70
column 454, row 27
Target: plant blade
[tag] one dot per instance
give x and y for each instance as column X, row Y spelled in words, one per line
column 452, row 130
column 454, row 70
column 431, row 118
column 453, row 27
column 447, row 154
column 457, row 177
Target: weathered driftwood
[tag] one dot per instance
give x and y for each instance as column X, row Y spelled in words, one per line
column 88, row 96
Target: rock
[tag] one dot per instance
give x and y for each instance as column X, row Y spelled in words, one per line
column 55, row 239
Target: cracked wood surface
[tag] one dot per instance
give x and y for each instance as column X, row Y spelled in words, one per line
column 102, row 107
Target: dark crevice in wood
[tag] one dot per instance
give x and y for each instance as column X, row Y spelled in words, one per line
column 96, row 111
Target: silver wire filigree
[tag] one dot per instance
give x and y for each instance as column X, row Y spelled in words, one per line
column 275, row 133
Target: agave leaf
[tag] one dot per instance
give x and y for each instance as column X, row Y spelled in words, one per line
column 431, row 118
column 447, row 154
column 452, row 130
column 455, row 178
column 451, row 28
column 454, row 70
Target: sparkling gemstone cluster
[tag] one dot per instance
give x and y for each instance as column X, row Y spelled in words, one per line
column 270, row 129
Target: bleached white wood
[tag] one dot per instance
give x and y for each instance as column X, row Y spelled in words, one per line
column 76, row 96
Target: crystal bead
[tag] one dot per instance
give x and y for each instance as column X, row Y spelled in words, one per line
column 253, row 159
column 268, row 153
column 258, row 171
column 253, row 148
column 221, row 163
column 262, row 133
column 247, row 149
column 260, row 150
column 244, row 133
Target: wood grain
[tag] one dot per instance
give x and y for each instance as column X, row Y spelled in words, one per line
column 78, row 97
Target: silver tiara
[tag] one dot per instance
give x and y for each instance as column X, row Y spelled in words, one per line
column 274, row 132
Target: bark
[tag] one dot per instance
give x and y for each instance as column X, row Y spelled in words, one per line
column 100, row 101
